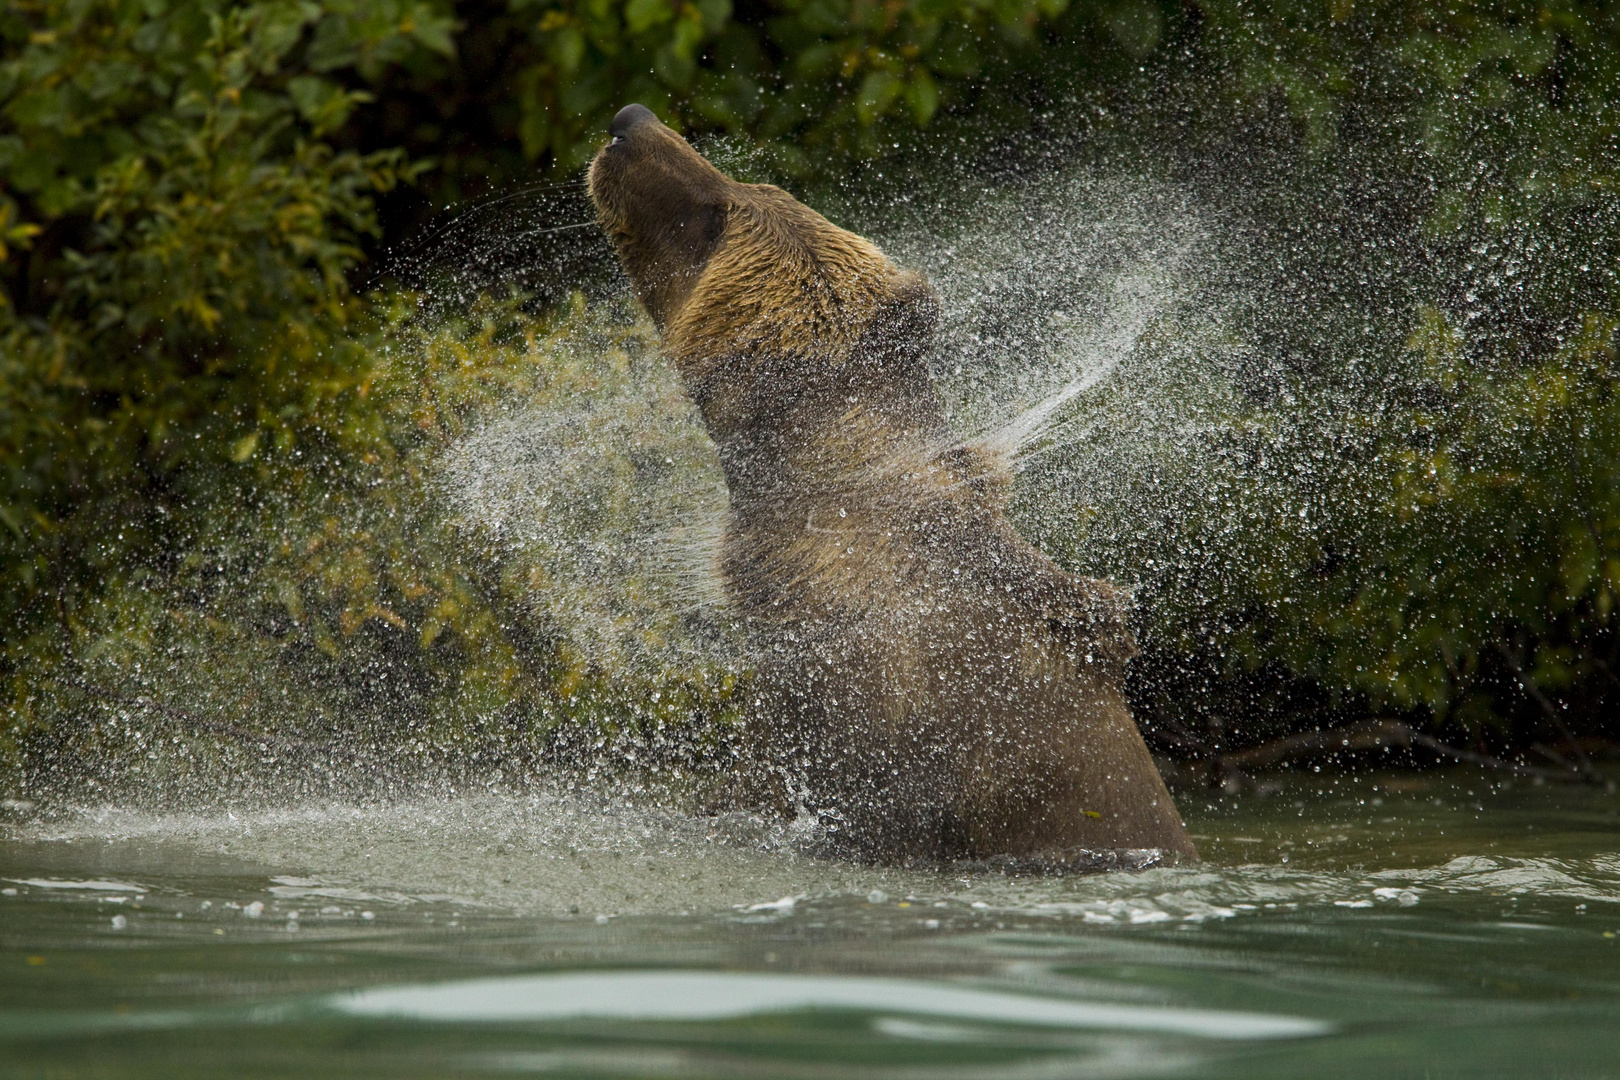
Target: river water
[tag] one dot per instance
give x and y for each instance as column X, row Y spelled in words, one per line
column 1381, row 925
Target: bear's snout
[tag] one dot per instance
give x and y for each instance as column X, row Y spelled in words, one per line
column 628, row 119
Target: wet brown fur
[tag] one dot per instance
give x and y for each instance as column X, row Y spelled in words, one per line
column 934, row 687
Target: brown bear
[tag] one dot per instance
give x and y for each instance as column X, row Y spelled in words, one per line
column 932, row 686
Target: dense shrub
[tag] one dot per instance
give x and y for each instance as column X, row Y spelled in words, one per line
column 1457, row 358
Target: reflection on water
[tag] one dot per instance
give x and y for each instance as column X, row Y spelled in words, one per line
column 699, row 995
column 1372, row 926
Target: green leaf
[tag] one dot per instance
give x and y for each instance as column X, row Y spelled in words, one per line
column 642, row 15
column 923, row 96
column 716, row 13
column 878, row 91
column 433, row 29
column 567, row 48
column 321, row 102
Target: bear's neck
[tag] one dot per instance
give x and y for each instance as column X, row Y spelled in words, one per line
column 839, row 446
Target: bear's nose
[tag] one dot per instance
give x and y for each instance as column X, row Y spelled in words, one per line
column 629, row 118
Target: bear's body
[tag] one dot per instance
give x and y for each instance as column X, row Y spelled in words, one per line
column 933, row 686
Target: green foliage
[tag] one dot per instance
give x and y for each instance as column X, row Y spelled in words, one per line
column 215, row 458
column 814, row 84
column 358, row 611
column 185, row 272
column 174, row 295
column 1447, row 556
column 1483, row 538
column 801, row 75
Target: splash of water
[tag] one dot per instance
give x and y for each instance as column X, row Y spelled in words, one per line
column 1047, row 292
column 612, row 493
column 607, row 499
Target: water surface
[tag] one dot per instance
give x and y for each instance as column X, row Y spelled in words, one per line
column 1384, row 925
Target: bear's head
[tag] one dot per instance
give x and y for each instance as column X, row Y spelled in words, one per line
column 663, row 206
column 767, row 309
